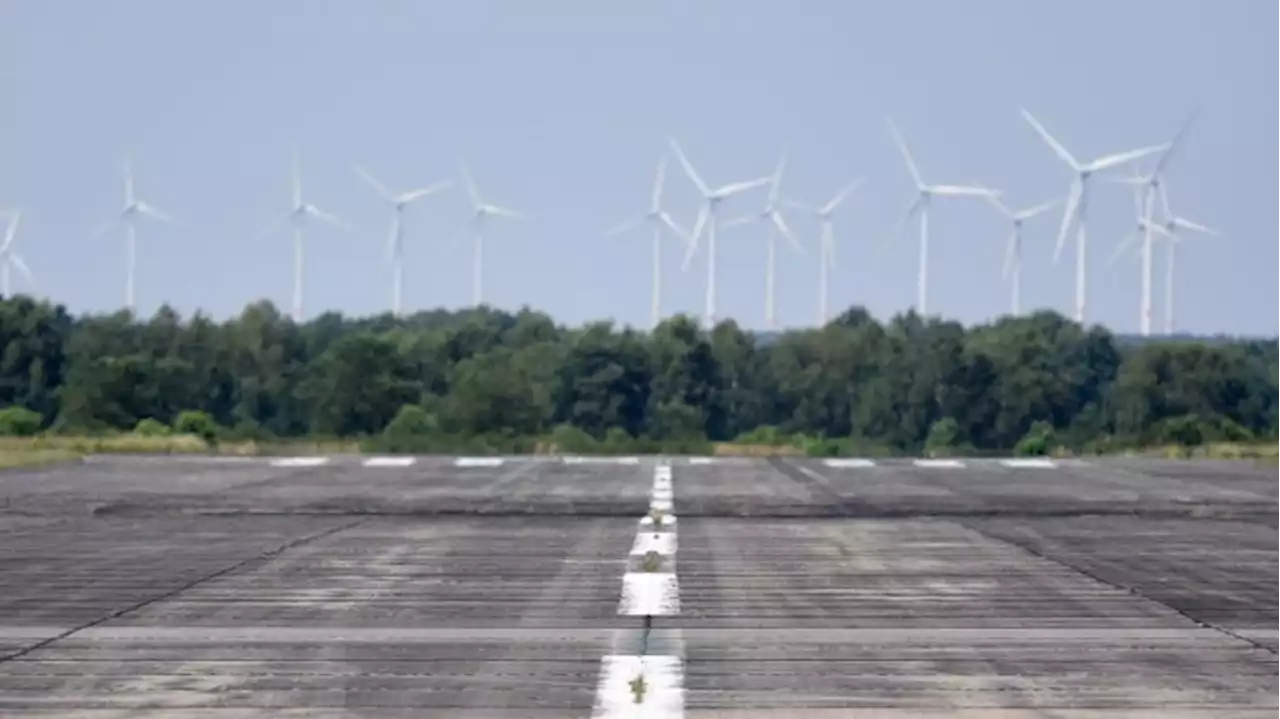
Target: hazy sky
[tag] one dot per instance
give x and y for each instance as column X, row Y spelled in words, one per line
column 563, row 109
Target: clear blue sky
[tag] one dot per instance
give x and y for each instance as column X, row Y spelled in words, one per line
column 563, row 109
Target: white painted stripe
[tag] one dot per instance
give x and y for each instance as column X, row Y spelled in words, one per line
column 299, row 461
column 663, row 681
column 576, row 459
column 667, row 519
column 1029, row 463
column 662, row 483
column 938, row 463
column 390, row 461
column 660, row 505
column 663, row 493
column 663, row 543
column 649, row 593
column 849, row 463
column 702, row 460
column 663, row 471
column 478, row 462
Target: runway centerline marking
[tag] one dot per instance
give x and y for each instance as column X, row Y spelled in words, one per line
column 299, row 461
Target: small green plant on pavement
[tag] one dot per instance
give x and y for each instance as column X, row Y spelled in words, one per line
column 638, row 687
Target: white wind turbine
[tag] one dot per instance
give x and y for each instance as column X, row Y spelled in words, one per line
column 1146, row 187
column 129, row 218
column 1170, row 228
column 9, row 257
column 920, row 206
column 711, row 200
column 1013, row 248
column 656, row 218
column 827, row 248
column 297, row 216
column 481, row 211
column 1078, row 199
column 395, row 239
column 772, row 219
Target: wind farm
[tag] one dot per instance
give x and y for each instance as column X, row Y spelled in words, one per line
column 1149, row 187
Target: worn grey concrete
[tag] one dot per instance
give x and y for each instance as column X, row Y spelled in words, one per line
column 185, row 588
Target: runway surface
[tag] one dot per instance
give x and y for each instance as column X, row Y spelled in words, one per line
column 518, row 587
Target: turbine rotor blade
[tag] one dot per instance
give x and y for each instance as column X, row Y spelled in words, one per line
column 1049, row 139
column 1183, row 223
column 297, row 179
column 800, row 206
column 698, row 227
column 659, row 179
column 1073, row 203
column 16, row 259
column 1173, row 144
column 504, row 212
column 775, row 182
column 675, row 227
column 1037, row 209
column 415, row 195
column 470, row 184
column 737, row 188
column 737, row 222
column 1122, row 158
column 786, row 231
column 1124, row 245
column 12, row 230
column 625, row 226
column 688, row 168
column 912, row 210
column 320, row 214
column 840, row 196
column 906, row 154
column 150, row 211
column 373, row 182
column 961, row 191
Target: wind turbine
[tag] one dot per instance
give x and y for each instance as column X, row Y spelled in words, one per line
column 297, row 216
column 656, row 218
column 827, row 247
column 481, row 211
column 1078, row 199
column 129, row 218
column 395, row 239
column 1013, row 248
column 1170, row 228
column 711, row 200
column 9, row 256
column 1146, row 187
column 772, row 219
column 920, row 206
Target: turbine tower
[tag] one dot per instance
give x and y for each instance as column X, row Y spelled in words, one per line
column 297, row 216
column 9, row 257
column 129, row 218
column 481, row 211
column 1078, row 198
column 1146, row 187
column 395, row 239
column 657, row 219
column 1013, row 248
column 827, row 248
column 1170, row 228
column 920, row 206
column 711, row 200
column 772, row 219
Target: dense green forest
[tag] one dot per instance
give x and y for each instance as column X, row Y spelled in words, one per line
column 484, row 378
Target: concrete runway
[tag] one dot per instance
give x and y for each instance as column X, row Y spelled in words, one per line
column 211, row 588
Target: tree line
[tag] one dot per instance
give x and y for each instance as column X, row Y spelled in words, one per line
column 487, row 379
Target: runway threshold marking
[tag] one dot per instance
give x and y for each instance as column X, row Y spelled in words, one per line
column 478, row 462
column 1029, row 463
column 299, row 461
column 390, row 461
column 938, row 463
column 848, row 463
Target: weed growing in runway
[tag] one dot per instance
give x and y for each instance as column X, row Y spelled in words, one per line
column 638, row 687
column 652, row 561
column 658, row 517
